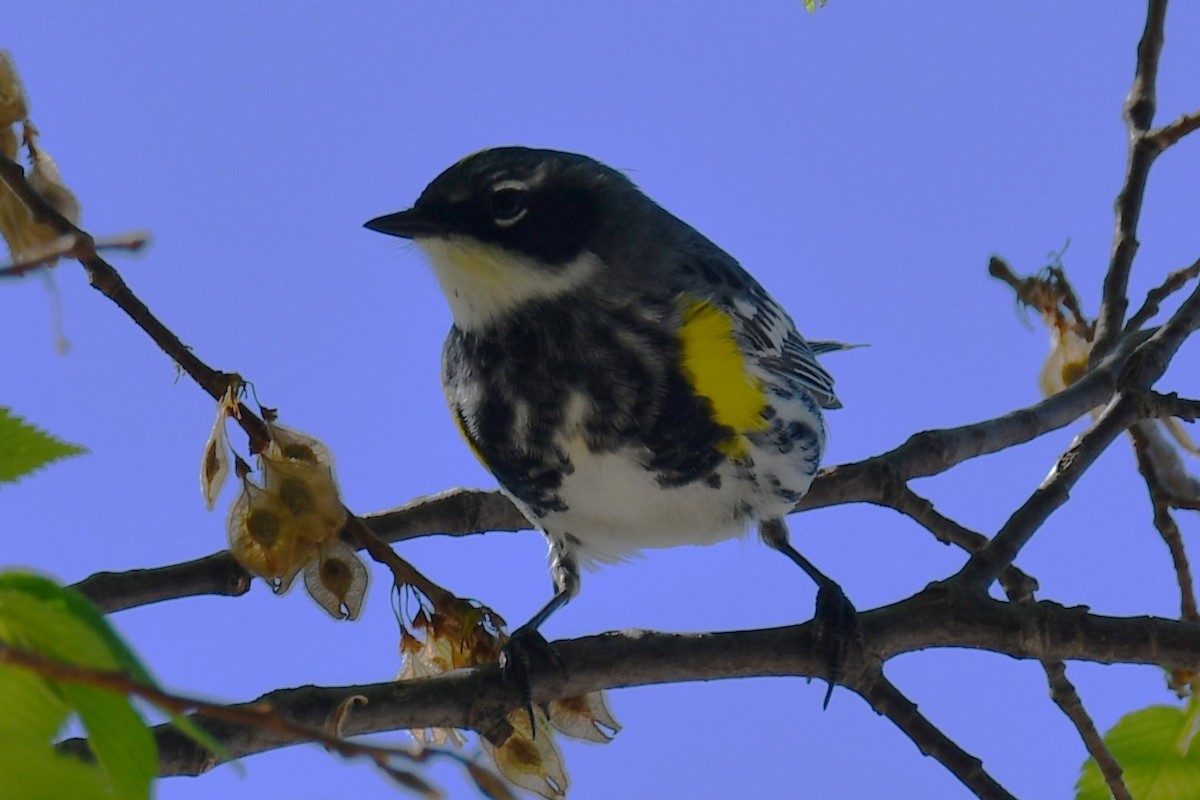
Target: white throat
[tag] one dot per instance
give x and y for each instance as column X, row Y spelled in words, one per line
column 485, row 282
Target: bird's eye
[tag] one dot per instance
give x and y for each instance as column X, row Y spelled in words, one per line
column 508, row 205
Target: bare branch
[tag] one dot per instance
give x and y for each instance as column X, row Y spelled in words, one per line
column 1020, row 588
column 1169, row 134
column 936, row 617
column 1139, row 111
column 987, row 564
column 1151, row 451
column 1151, row 359
column 1172, row 405
column 890, row 702
column 1062, row 691
column 457, row 512
column 217, row 574
column 1016, row 583
column 1144, row 367
column 934, row 451
column 68, row 247
column 1174, row 282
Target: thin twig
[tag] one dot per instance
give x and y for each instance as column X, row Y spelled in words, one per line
column 1019, row 588
column 1016, row 583
column 1139, row 111
column 1169, row 530
column 1145, row 366
column 403, row 573
column 1160, row 500
column 987, row 564
column 1164, row 406
column 1174, row 282
column 1172, row 132
column 1062, row 691
column 889, row 701
column 68, row 247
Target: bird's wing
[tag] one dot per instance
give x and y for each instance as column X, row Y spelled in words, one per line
column 760, row 325
column 767, row 328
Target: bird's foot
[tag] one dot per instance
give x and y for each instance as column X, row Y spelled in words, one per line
column 835, row 632
column 525, row 652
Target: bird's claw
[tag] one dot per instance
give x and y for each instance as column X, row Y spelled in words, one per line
column 525, row 652
column 835, row 631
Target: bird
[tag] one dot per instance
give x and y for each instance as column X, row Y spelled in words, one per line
column 626, row 381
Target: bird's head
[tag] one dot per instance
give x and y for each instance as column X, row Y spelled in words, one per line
column 510, row 225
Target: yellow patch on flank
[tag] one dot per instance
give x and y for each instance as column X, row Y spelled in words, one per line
column 714, row 366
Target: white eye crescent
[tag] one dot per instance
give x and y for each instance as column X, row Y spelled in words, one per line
column 508, row 202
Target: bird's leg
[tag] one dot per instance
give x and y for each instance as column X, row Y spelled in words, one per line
column 527, row 647
column 835, row 625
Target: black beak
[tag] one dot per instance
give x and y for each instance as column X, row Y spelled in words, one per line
column 409, row 224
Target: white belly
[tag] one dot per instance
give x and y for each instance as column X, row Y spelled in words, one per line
column 615, row 507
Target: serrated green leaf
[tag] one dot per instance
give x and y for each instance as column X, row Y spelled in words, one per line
column 24, row 448
column 1151, row 745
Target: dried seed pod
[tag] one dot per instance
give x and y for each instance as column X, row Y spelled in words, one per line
column 337, row 579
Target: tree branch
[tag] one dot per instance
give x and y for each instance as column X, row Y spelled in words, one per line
column 1139, row 111
column 68, row 247
column 932, row 452
column 987, row 564
column 1173, row 283
column 257, row 717
column 1134, row 401
column 1151, row 451
column 1019, row 588
column 457, row 512
column 1169, row 134
column 935, row 617
column 1063, row 693
column 888, row 701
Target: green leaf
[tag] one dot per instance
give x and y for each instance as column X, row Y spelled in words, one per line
column 118, row 737
column 25, row 769
column 58, row 622
column 30, row 708
column 24, row 448
column 1153, row 747
column 38, row 616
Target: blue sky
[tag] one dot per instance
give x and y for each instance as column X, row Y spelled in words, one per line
column 863, row 162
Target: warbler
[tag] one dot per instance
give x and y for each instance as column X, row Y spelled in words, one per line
column 629, row 385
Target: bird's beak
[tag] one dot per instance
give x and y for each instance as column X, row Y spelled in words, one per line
column 410, row 224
